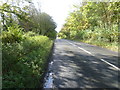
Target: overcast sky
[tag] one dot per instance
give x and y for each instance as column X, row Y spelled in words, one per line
column 58, row 9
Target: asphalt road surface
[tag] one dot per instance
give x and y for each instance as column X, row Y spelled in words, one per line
column 81, row 65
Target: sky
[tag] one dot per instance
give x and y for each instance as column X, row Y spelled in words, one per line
column 58, row 9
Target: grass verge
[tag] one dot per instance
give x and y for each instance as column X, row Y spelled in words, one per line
column 111, row 46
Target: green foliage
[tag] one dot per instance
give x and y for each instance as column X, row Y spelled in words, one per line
column 93, row 21
column 51, row 34
column 45, row 23
column 8, row 14
column 29, row 18
column 14, row 34
column 24, row 62
column 24, row 48
column 30, row 33
column 61, row 35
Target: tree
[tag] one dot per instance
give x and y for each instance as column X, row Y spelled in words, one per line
column 94, row 21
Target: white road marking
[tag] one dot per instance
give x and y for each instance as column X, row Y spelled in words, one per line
column 94, row 55
column 86, row 51
column 110, row 64
column 82, row 49
column 72, row 44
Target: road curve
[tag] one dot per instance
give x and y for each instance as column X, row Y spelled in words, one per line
column 80, row 65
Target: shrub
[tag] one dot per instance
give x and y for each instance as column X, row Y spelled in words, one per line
column 24, row 62
column 14, row 34
column 30, row 33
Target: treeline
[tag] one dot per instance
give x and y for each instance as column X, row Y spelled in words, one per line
column 27, row 37
column 28, row 18
column 94, row 22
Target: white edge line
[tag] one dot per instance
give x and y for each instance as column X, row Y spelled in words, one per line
column 86, row 51
column 82, row 49
column 94, row 55
column 110, row 64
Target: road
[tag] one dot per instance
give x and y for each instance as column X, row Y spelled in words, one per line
column 81, row 65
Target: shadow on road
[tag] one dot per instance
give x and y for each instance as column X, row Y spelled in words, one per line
column 74, row 69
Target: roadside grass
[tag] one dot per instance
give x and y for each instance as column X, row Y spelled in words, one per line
column 114, row 46
column 24, row 62
column 111, row 46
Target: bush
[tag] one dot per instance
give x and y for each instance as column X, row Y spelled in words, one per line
column 73, row 34
column 80, row 34
column 14, row 34
column 24, row 62
column 61, row 35
column 52, row 34
column 30, row 33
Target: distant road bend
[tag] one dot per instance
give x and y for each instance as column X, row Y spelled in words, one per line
column 81, row 65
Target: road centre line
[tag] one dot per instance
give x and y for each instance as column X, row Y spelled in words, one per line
column 94, row 55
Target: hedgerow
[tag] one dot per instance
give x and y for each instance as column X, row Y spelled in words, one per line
column 24, row 62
